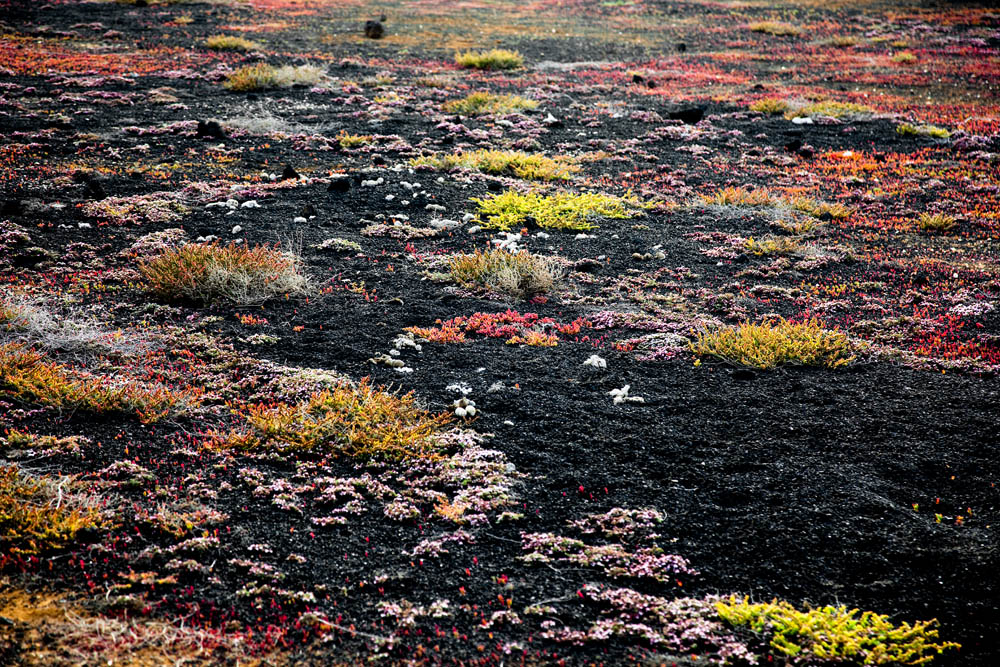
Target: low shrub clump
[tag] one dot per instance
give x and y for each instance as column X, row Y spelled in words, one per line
column 37, row 516
column 770, row 105
column 904, row 58
column 908, row 129
column 251, row 77
column 774, row 28
column 836, row 633
column 935, row 222
column 536, row 167
column 844, row 41
column 519, row 274
column 484, row 103
column 831, row 109
column 230, row 43
column 28, row 376
column 762, row 197
column 772, row 245
column 262, row 76
column 493, row 59
column 235, row 273
column 348, row 140
column 362, row 421
column 771, row 344
column 563, row 210
column 732, row 196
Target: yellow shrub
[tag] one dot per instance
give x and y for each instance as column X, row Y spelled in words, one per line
column 768, row 345
column 494, row 59
column 483, row 103
column 774, row 28
column 836, row 634
column 535, row 167
column 251, row 77
column 563, row 210
column 230, row 43
column 769, row 105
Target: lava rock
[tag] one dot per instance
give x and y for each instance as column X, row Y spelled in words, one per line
column 308, row 211
column 210, row 130
column 793, row 145
column 378, row 160
column 682, row 47
column 637, row 78
column 587, row 265
column 94, row 190
column 339, row 184
column 743, row 374
column 688, row 116
column 11, row 207
column 374, row 29
column 288, row 173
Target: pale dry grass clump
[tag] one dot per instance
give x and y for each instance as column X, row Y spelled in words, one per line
column 236, row 274
column 27, row 321
column 53, row 631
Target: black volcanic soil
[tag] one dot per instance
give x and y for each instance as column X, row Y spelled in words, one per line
column 797, row 483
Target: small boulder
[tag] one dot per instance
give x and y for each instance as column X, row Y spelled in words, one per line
column 689, row 115
column 374, row 29
column 210, row 130
column 339, row 184
column 94, row 190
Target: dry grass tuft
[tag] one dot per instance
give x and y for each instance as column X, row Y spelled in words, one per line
column 230, row 43
column 774, row 28
column 935, row 222
column 235, row 274
column 770, row 105
column 48, row 630
column 484, row 103
column 494, row 59
column 262, row 76
column 520, row 275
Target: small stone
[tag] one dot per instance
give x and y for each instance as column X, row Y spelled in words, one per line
column 210, row 130
column 374, row 29
column 339, row 184
column 237, row 229
column 688, row 116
